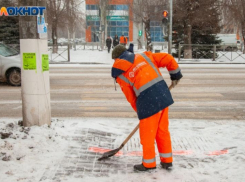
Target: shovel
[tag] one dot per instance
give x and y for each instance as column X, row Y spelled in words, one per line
column 113, row 152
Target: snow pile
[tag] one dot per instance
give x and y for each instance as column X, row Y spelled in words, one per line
column 26, row 152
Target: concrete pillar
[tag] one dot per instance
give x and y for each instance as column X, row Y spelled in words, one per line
column 35, row 86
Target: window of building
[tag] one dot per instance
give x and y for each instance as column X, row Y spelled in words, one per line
column 92, row 7
column 118, row 7
column 125, row 23
column 95, row 26
column 118, row 28
column 93, row 23
column 156, row 31
column 116, row 25
column 113, row 23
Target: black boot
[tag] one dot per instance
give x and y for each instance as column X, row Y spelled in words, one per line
column 166, row 165
column 141, row 167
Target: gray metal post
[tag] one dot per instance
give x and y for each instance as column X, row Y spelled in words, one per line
column 68, row 52
column 74, row 41
column 214, row 55
column 179, row 52
column 231, row 53
column 170, row 27
column 100, row 38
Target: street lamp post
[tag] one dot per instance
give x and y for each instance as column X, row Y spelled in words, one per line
column 170, row 27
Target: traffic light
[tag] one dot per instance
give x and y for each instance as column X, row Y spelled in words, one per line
column 140, row 33
column 165, row 17
column 165, row 14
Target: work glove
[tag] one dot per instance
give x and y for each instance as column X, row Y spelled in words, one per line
column 174, row 83
column 131, row 48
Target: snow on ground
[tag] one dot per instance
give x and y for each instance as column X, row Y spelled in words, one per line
column 28, row 152
column 84, row 56
column 103, row 57
column 222, row 57
column 203, row 151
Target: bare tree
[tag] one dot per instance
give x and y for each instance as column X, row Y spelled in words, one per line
column 195, row 14
column 227, row 22
column 236, row 12
column 63, row 14
column 145, row 11
column 56, row 15
column 73, row 18
column 103, row 12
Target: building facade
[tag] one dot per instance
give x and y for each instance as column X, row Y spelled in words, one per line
column 117, row 21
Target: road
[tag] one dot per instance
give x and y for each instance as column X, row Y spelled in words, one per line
column 214, row 92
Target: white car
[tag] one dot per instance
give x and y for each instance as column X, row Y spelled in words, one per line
column 239, row 46
column 10, row 65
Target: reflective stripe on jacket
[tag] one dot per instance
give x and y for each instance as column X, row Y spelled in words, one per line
column 142, row 82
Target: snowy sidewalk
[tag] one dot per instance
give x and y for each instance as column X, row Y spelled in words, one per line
column 104, row 58
column 68, row 151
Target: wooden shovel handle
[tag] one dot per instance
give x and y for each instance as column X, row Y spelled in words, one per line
column 130, row 135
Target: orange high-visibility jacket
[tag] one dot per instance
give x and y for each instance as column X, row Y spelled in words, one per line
column 123, row 40
column 142, row 83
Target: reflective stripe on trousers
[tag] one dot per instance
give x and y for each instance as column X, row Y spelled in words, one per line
column 148, row 161
column 167, row 155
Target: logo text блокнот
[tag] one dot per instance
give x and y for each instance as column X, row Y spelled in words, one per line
column 22, row 11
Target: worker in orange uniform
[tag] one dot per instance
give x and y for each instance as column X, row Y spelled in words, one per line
column 123, row 40
column 145, row 89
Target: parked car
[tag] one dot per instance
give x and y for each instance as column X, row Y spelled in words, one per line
column 62, row 41
column 239, row 45
column 229, row 42
column 50, row 43
column 10, row 65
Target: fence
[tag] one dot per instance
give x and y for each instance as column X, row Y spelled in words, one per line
column 96, row 46
column 64, row 53
column 202, row 52
column 88, row 46
column 197, row 52
column 163, row 46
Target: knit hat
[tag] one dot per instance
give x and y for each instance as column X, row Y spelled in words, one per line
column 118, row 50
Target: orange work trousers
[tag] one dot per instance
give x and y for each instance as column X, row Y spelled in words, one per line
column 155, row 128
